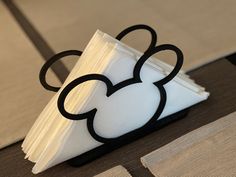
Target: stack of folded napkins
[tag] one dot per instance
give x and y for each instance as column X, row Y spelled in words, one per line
column 54, row 139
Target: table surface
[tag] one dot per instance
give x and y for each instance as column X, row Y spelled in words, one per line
column 218, row 78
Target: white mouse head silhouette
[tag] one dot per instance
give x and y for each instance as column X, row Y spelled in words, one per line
column 127, row 84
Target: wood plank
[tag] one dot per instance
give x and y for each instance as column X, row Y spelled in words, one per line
column 117, row 171
column 22, row 96
column 204, row 30
column 199, row 152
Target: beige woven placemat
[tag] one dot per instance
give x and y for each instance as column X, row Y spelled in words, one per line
column 21, row 95
column 204, row 30
column 118, row 171
column 206, row 151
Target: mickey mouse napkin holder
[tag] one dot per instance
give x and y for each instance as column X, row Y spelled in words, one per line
column 130, row 98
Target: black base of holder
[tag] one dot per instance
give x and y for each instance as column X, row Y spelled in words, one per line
column 232, row 58
column 109, row 147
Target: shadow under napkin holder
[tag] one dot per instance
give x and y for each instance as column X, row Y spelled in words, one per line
column 110, row 144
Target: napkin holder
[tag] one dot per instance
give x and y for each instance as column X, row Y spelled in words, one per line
column 110, row 144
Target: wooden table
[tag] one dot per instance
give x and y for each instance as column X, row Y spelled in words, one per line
column 218, row 77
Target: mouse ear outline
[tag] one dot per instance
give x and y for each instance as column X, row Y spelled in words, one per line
column 130, row 29
column 49, row 63
column 149, row 53
column 68, row 88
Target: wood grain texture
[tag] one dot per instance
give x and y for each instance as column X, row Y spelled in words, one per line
column 204, row 30
column 21, row 95
column 218, row 78
column 37, row 40
column 117, row 171
column 206, row 151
